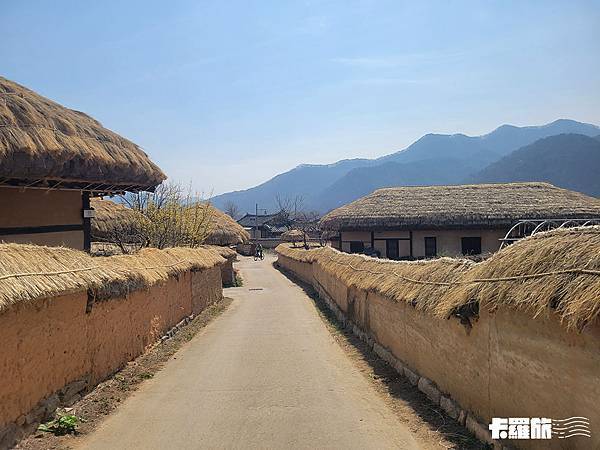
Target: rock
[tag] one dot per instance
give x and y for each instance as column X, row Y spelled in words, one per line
column 399, row 366
column 71, row 389
column 428, row 388
column 35, row 415
column 412, row 377
column 450, row 406
column 480, row 431
column 8, row 436
column 51, row 403
column 462, row 416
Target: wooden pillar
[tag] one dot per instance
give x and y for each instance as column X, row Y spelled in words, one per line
column 87, row 222
column 373, row 240
column 411, row 244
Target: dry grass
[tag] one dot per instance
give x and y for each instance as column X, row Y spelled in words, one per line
column 40, row 139
column 30, row 272
column 575, row 297
column 478, row 205
column 537, row 275
column 384, row 276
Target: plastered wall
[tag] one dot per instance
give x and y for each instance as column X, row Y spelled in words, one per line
column 506, row 364
column 53, row 342
column 41, row 207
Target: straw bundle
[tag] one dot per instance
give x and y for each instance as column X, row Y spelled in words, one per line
column 42, row 140
column 574, row 295
column 556, row 271
column 479, row 205
column 30, row 272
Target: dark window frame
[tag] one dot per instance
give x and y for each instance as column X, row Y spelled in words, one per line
column 471, row 245
column 353, row 245
column 429, row 254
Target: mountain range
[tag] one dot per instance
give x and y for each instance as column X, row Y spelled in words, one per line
column 441, row 159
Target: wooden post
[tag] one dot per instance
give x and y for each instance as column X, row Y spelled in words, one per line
column 87, row 222
column 411, row 244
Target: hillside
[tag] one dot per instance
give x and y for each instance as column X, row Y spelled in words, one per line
column 432, row 159
column 571, row 161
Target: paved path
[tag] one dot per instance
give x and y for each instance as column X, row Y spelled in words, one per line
column 265, row 374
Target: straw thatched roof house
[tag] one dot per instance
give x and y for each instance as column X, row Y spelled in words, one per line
column 52, row 159
column 430, row 221
column 116, row 223
column 263, row 225
column 224, row 230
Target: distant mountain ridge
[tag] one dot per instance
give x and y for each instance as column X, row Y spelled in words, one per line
column 571, row 161
column 432, row 159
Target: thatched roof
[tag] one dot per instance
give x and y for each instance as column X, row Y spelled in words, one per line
column 31, row 272
column 461, row 206
column 555, row 272
column 43, row 143
column 114, row 218
column 292, row 236
column 111, row 218
column 224, row 230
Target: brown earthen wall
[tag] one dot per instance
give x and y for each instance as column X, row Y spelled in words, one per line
column 506, row 365
column 53, row 342
column 41, row 207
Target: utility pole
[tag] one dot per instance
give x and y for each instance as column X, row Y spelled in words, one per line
column 256, row 222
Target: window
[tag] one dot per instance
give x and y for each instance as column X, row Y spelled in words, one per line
column 430, row 247
column 471, row 245
column 392, row 249
column 357, row 246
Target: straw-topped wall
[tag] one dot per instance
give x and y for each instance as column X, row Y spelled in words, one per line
column 79, row 319
column 514, row 336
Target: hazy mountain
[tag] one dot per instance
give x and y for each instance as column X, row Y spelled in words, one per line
column 571, row 161
column 306, row 180
column 433, row 159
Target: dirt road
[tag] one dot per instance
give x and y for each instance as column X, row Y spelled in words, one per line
column 266, row 374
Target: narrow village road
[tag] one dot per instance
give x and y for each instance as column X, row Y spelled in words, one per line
column 265, row 374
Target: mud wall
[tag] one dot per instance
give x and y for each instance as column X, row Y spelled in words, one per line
column 56, row 348
column 504, row 364
column 41, row 208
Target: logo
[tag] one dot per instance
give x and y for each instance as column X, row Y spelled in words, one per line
column 539, row 428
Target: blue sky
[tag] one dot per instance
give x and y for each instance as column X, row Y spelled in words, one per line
column 229, row 93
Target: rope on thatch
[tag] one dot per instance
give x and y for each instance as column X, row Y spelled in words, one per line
column 29, row 272
column 84, row 269
column 577, row 271
column 555, row 272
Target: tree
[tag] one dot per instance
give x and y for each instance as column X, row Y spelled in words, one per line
column 232, row 210
column 171, row 216
column 292, row 214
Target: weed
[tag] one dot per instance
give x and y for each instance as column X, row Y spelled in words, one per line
column 63, row 424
